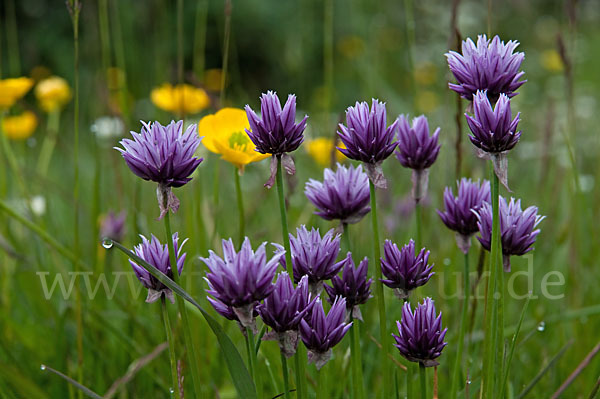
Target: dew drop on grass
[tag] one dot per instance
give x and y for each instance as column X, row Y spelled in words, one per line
column 541, row 327
column 43, row 367
column 107, row 243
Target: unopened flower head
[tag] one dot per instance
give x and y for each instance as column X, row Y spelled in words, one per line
column 367, row 137
column 354, row 286
column 113, row 226
column 182, row 99
column 157, row 254
column 53, row 93
column 165, row 155
column 420, row 336
column 241, row 279
column 489, row 65
column 403, row 270
column 517, row 228
column 458, row 214
column 225, row 134
column 343, row 194
column 320, row 333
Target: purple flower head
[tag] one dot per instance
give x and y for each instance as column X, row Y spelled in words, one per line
column 113, row 225
column 241, row 279
column 416, row 148
column 403, row 270
column 420, row 336
column 320, row 333
column 494, row 130
column 343, row 194
column 354, row 286
column 367, row 139
column 458, row 214
column 314, row 256
column 517, row 228
column 156, row 254
column 491, row 66
column 283, row 309
column 277, row 131
column 164, row 155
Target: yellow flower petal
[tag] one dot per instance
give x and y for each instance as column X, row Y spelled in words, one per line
column 181, row 99
column 53, row 93
column 224, row 133
column 320, row 150
column 11, row 90
column 19, row 127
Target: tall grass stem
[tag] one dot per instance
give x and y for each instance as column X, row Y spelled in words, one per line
column 172, row 359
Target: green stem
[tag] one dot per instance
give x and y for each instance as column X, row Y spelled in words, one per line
column 187, row 333
column 12, row 38
column 49, row 143
column 461, row 335
column 225, row 50
column 286, row 383
column 215, row 211
column 200, row 38
column 251, row 353
column 419, row 222
column 167, row 323
column 379, row 294
column 322, row 385
column 284, row 224
column 409, row 378
column 346, row 236
column 355, row 358
column 299, row 358
column 423, row 379
column 492, row 297
column 240, row 204
column 180, row 41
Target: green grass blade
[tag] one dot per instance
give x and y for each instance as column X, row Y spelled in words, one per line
column 85, row 390
column 239, row 373
column 512, row 347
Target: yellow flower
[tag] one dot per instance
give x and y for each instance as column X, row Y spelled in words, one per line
column 320, row 149
column 180, row 99
column 12, row 90
column 224, row 133
column 53, row 93
column 19, row 127
column 551, row 61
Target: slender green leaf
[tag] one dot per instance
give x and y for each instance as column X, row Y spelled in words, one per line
column 239, row 373
column 85, row 390
column 512, row 347
column 544, row 370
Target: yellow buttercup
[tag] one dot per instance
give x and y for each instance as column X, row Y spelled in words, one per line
column 11, row 90
column 224, row 133
column 182, row 99
column 19, row 127
column 320, row 150
column 53, row 93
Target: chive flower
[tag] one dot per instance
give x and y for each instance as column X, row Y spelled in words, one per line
column 367, row 139
column 157, row 254
column 420, row 336
column 417, row 150
column 343, row 194
column 459, row 213
column 320, row 333
column 489, row 65
column 165, row 155
column 517, row 228
column 354, row 286
column 241, row 279
column 276, row 131
column 403, row 271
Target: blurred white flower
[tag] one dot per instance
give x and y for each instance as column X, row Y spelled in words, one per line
column 38, row 205
column 106, row 127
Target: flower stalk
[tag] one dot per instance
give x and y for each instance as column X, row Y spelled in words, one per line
column 379, row 292
column 169, row 333
column 240, row 204
column 187, row 335
column 461, row 335
column 423, row 380
column 286, row 382
column 283, row 213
